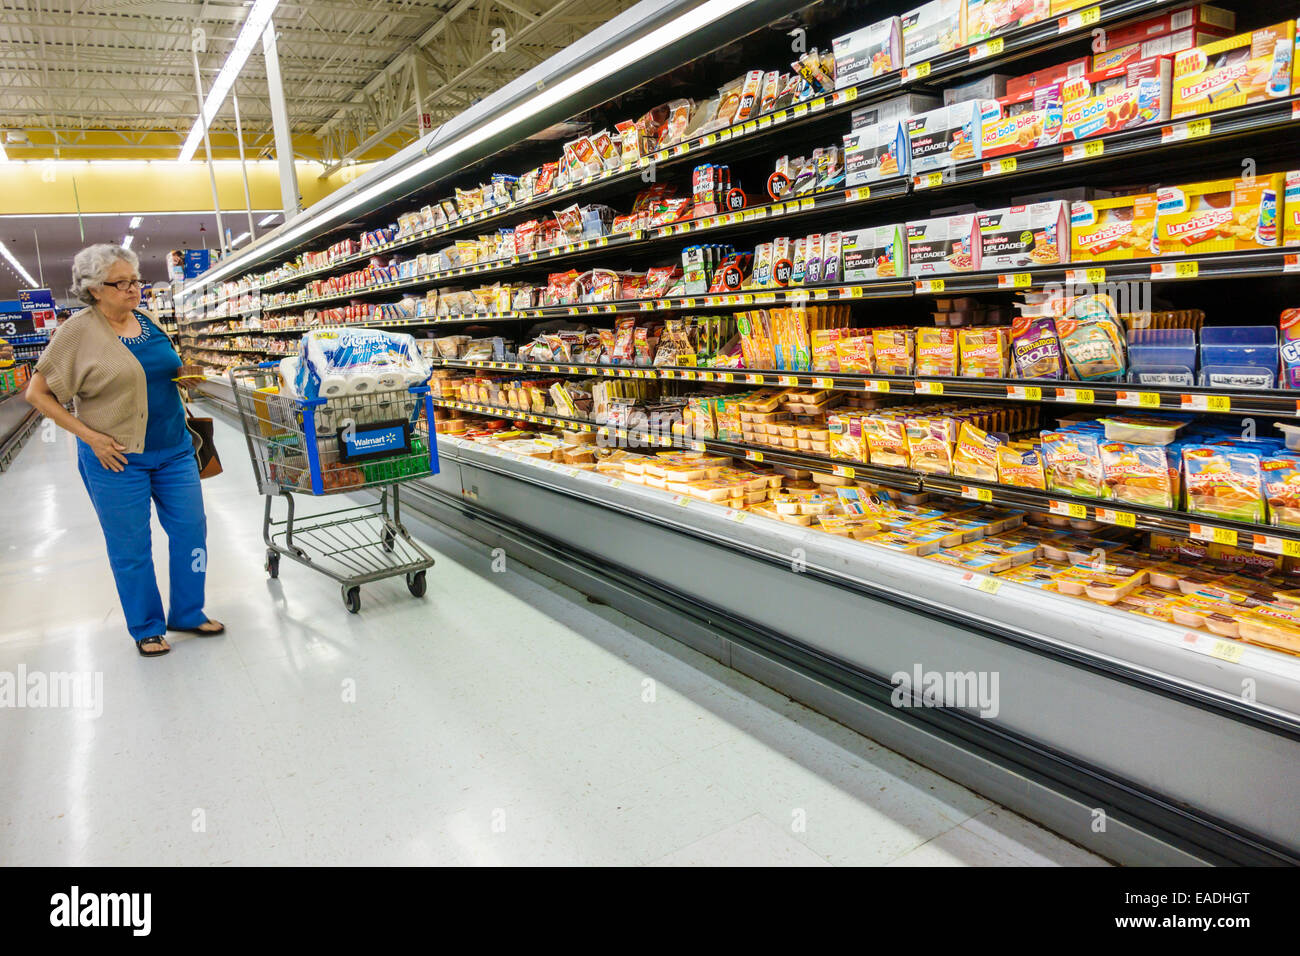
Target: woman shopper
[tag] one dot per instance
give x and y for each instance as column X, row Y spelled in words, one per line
column 120, row 370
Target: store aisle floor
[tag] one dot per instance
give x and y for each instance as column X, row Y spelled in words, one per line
column 501, row 719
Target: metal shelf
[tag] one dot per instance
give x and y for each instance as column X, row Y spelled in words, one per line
column 1262, row 538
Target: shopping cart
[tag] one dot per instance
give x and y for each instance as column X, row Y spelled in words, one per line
column 330, row 446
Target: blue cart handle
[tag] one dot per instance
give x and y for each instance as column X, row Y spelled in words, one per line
column 268, row 364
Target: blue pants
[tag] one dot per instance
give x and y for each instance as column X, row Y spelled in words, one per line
column 121, row 498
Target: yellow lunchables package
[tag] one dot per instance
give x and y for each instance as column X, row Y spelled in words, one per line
column 1119, row 228
column 1235, row 71
column 1218, row 216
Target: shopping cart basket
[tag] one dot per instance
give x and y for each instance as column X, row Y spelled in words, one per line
column 330, row 446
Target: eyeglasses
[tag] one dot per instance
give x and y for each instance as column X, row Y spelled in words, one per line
column 125, row 285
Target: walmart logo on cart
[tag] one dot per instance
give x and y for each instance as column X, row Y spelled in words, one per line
column 376, row 441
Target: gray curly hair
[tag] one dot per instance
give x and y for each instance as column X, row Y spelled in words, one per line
column 90, row 267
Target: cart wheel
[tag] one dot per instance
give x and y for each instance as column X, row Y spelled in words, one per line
column 388, row 539
column 352, row 599
column 416, row 584
column 273, row 563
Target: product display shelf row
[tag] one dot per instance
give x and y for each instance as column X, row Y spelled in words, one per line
column 194, row 335
column 984, row 55
column 1264, row 539
column 222, row 348
column 1265, row 402
column 1165, row 134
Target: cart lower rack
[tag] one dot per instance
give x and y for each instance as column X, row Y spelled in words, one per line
column 319, row 447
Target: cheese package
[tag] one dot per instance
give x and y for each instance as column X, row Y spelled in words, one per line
column 1217, row 617
column 875, row 152
column 931, row 29
column 1218, row 216
column 853, row 353
column 859, row 527
column 846, row 441
column 876, row 252
column 1034, row 574
column 949, row 135
column 984, row 18
column 1020, row 236
column 872, row 51
column 941, row 246
column 1124, row 227
column 1246, row 68
column 982, row 352
column 1272, row 627
column 936, row 352
column 1119, row 98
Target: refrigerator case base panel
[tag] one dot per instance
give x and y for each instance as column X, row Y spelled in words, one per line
column 1131, row 763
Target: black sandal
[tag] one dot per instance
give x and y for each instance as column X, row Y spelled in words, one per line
column 221, row 629
column 157, row 641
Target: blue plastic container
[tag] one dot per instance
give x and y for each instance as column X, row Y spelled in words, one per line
column 1239, row 356
column 1162, row 357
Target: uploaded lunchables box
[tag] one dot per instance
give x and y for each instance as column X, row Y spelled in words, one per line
column 1241, row 69
column 1020, row 236
column 931, row 29
column 949, row 135
column 1218, row 216
column 870, row 51
column 987, row 17
column 876, row 252
column 876, row 152
column 1103, row 230
column 941, row 246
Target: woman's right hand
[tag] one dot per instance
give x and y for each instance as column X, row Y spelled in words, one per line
column 108, row 451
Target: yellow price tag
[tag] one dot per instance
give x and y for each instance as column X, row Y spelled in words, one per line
column 1149, row 399
column 753, row 455
column 807, row 203
column 1225, row 651
column 754, row 380
column 989, row 585
column 709, row 139
column 1077, row 511
column 920, row 71
column 930, row 180
column 928, row 388
column 823, row 383
column 851, row 93
column 1187, row 270
column 875, row 386
column 1016, row 280
column 997, row 167
column 1226, row 536
column 1291, row 548
column 787, row 380
column 977, row 494
column 1200, row 127
column 1090, row 16
column 929, row 285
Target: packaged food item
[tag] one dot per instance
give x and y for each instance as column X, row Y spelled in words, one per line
column 1218, row 617
column 941, row 246
column 1200, row 16
column 1035, row 349
column 895, row 109
column 1129, row 93
column 983, row 352
column 1138, row 474
column 1222, row 483
column 976, row 454
column 876, row 252
column 854, row 353
column 1092, row 341
column 886, row 441
column 1145, row 429
column 1073, row 463
column 1120, row 228
column 930, row 443
column 936, row 352
column 1218, row 216
column 1034, row 574
column 1280, row 477
column 984, row 18
column 876, row 152
column 941, row 138
column 871, row 51
column 1291, row 208
column 1271, row 627
column 994, row 86
column 1021, row 465
column 931, row 29
column 1246, row 68
column 1021, row 236
column 893, row 351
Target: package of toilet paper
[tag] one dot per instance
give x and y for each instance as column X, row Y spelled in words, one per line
column 333, row 363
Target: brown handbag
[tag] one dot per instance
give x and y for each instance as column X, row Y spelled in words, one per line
column 205, row 449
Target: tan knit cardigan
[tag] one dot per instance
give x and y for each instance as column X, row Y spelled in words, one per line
column 87, row 363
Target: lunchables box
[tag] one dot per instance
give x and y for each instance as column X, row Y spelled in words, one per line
column 939, row 139
column 1021, row 124
column 871, row 51
column 1020, row 236
column 1120, row 228
column 984, row 18
column 931, row 29
column 876, row 152
column 1241, row 69
column 1119, row 98
column 1291, row 210
column 941, row 246
column 1218, row 216
column 876, row 252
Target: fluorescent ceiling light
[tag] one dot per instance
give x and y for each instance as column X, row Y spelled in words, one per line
column 239, row 238
column 250, row 34
column 135, row 222
column 269, row 219
column 126, row 243
column 624, row 56
column 27, row 276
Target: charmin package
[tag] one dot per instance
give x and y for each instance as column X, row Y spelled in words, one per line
column 876, row 152
column 941, row 246
column 1218, row 216
column 877, row 252
column 1241, row 69
column 1020, row 236
column 1120, row 228
column 948, row 135
column 333, row 363
column 931, row 29
column 872, row 51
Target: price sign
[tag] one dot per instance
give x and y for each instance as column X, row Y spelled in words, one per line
column 929, row 285
column 787, row 380
column 1227, row 651
column 998, row 167
column 1081, row 396
column 754, row 380
column 1175, row 270
column 1067, row 509
column 1202, row 532
column 1207, row 403
column 1138, row 399
column 986, row 49
column 751, row 455
column 823, row 383
column 1025, row 393
column 844, row 471
column 856, row 195
column 734, row 515
column 980, row 582
column 874, row 385
column 927, row 388
column 1271, row 544
column 920, row 71
column 1075, row 21
column 927, row 180
column 976, row 494
column 1018, row 280
column 1081, row 276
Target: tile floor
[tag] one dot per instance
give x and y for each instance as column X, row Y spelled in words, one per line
column 502, row 719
